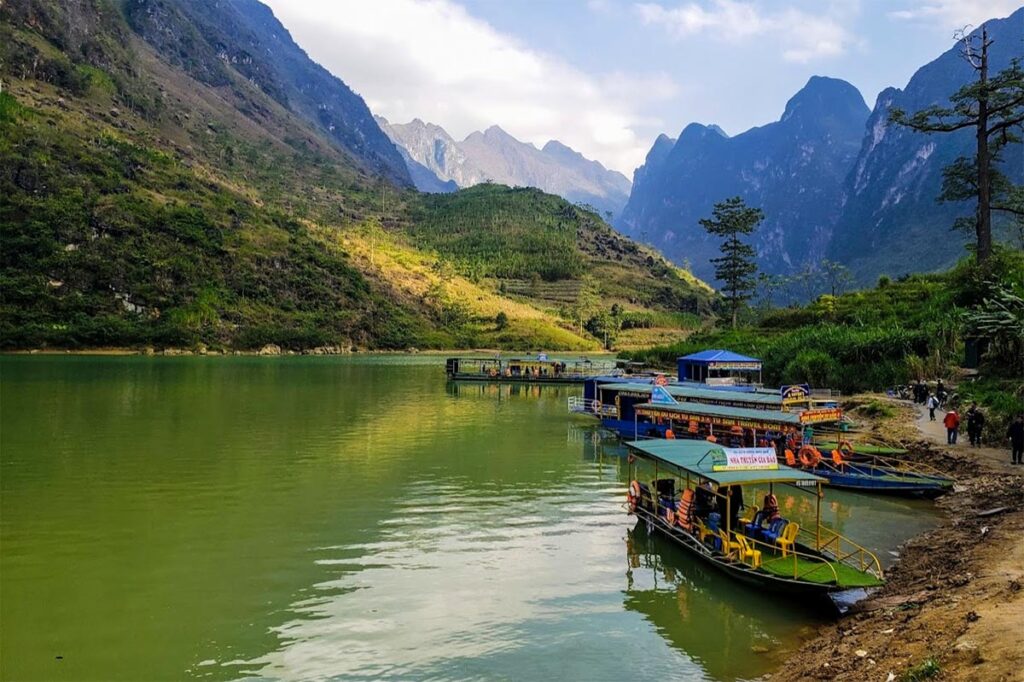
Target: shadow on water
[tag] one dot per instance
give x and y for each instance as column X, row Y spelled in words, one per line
column 731, row 630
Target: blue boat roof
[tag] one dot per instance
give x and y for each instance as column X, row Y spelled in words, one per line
column 718, row 355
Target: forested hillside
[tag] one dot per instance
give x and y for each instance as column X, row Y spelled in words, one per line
column 144, row 201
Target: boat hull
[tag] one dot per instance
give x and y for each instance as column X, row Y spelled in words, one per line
column 741, row 572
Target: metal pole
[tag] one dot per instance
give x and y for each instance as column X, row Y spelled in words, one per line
column 817, row 529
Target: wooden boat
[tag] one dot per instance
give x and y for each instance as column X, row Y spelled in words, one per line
column 845, row 467
column 748, row 426
column 539, row 369
column 814, row 561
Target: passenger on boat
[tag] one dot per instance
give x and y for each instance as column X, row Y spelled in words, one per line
column 705, row 501
column 770, row 510
column 729, row 504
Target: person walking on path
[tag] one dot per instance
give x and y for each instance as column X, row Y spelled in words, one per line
column 975, row 424
column 952, row 424
column 1016, row 435
column 931, row 405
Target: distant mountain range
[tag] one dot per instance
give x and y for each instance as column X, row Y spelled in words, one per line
column 792, row 169
column 439, row 163
column 833, row 178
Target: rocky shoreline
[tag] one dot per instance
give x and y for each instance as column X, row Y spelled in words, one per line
column 953, row 605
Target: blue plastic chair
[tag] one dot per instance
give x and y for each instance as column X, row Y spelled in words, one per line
column 773, row 531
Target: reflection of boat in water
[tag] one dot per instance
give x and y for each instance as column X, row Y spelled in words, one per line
column 782, row 556
column 732, row 634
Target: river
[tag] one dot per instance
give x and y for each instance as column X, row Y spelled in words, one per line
column 349, row 517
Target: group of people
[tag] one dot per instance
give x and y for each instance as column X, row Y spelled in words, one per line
column 932, row 401
column 727, row 503
column 975, row 419
column 975, row 425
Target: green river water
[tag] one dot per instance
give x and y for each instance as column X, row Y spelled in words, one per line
column 312, row 518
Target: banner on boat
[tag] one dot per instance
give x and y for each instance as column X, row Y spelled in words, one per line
column 744, row 459
column 735, row 364
column 821, row 416
column 797, row 393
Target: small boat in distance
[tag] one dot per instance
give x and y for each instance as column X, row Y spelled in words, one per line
column 539, row 369
column 762, row 548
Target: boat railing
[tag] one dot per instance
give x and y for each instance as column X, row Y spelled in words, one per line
column 816, row 561
column 894, row 463
column 843, row 549
column 580, row 405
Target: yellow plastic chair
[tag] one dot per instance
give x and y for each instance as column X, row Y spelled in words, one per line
column 747, row 551
column 749, row 517
column 787, row 538
column 728, row 546
column 702, row 530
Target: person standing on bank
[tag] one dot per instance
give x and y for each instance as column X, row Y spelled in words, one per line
column 952, row 424
column 931, row 404
column 975, row 424
column 1016, row 435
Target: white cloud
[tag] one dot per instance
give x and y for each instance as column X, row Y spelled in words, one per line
column 801, row 37
column 431, row 59
column 955, row 13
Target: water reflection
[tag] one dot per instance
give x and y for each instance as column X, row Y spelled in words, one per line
column 732, row 632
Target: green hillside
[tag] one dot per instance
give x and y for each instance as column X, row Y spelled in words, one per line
column 141, row 206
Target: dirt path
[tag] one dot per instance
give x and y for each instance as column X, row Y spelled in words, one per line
column 935, row 432
column 954, row 604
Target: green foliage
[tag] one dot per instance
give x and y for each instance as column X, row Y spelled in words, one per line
column 494, row 231
column 925, row 670
column 501, row 321
column 864, row 340
column 736, row 268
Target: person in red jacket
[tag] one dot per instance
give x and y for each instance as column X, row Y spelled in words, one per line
column 952, row 423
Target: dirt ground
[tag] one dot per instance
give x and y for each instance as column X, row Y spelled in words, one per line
column 953, row 606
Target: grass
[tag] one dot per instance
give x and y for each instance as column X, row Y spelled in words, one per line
column 926, row 670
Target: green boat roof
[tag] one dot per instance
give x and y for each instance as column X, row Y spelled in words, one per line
column 695, row 456
column 695, row 392
column 705, row 410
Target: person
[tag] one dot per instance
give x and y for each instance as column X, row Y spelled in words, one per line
column 770, row 510
column 704, row 500
column 931, row 405
column 975, row 424
column 952, row 424
column 1016, row 435
column 940, row 392
column 730, row 504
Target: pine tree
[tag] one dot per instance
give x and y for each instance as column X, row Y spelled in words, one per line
column 994, row 108
column 732, row 219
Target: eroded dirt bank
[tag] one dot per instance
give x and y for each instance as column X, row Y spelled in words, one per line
column 953, row 606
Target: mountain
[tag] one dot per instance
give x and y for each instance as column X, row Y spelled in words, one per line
column 210, row 39
column 793, row 169
column 891, row 222
column 495, row 156
column 174, row 174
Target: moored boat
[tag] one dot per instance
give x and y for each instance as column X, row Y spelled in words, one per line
column 539, row 369
column 762, row 549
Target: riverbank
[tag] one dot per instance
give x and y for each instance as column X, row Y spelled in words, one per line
column 952, row 605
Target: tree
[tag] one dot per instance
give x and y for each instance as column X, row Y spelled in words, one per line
column 732, row 219
column 587, row 301
column 501, row 320
column 994, row 108
column 836, row 275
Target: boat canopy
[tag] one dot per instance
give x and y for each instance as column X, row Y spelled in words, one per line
column 697, row 393
column 716, row 366
column 707, row 460
column 739, row 415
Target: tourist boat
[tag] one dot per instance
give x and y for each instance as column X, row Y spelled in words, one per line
column 539, row 369
column 844, row 467
column 785, row 556
column 747, row 419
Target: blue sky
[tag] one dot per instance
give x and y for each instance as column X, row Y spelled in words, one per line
column 607, row 76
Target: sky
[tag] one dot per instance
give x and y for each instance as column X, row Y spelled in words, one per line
column 606, row 77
